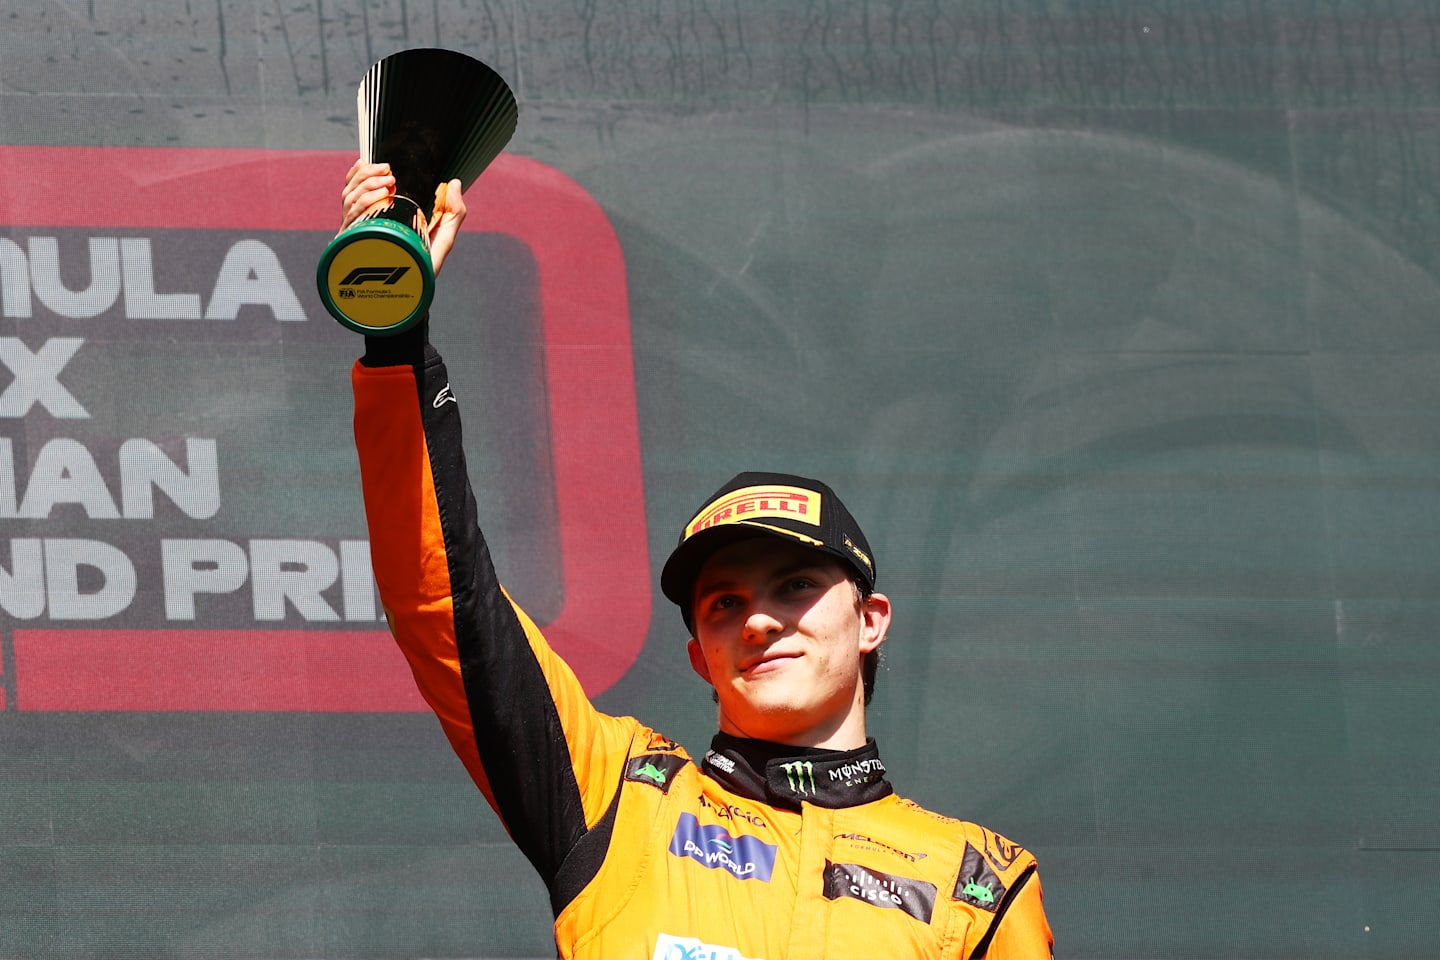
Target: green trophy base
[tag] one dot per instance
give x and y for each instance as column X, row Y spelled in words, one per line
column 376, row 277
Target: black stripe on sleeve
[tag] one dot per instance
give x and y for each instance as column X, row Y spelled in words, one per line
column 979, row 952
column 584, row 861
column 517, row 728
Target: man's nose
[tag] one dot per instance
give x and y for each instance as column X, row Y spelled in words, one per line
column 760, row 623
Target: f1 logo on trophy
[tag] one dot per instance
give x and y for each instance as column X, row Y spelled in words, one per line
column 434, row 116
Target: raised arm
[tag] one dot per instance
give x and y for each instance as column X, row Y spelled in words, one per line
column 546, row 760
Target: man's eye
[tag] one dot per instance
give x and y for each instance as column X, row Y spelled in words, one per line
column 801, row 583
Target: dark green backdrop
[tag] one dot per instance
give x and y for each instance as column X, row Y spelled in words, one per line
column 1113, row 320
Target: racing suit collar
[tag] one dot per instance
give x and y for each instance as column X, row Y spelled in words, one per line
column 785, row 776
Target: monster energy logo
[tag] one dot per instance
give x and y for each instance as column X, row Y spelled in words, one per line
column 801, row 776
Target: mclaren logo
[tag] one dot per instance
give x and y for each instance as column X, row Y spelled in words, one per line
column 385, row 276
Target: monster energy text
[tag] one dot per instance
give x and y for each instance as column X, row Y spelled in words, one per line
column 860, row 771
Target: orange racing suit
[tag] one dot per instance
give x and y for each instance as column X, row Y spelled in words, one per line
column 757, row 851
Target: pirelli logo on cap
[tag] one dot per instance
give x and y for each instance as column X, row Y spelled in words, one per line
column 754, row 503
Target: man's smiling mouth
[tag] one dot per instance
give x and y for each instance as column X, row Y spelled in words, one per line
column 767, row 661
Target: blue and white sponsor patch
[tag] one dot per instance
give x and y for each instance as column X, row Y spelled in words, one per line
column 745, row 857
column 690, row 948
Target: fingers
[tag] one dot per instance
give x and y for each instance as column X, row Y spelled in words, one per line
column 449, row 213
column 449, row 200
column 365, row 185
column 368, row 184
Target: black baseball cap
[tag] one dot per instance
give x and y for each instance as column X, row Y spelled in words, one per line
column 779, row 505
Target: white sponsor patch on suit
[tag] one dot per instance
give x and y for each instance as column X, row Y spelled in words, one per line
column 689, row 948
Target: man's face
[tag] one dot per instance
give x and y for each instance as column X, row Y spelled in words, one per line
column 781, row 633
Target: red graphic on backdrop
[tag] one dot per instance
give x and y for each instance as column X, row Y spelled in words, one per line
column 590, row 385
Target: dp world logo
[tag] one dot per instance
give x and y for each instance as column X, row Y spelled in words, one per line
column 800, row 774
column 745, row 857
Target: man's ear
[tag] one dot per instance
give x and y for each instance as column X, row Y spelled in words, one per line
column 875, row 617
column 697, row 660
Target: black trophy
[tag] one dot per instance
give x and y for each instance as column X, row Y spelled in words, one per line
column 434, row 116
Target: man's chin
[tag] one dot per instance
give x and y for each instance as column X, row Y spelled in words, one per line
column 769, row 703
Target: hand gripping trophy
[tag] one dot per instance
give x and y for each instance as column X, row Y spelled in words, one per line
column 433, row 116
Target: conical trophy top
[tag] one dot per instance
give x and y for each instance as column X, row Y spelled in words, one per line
column 434, row 115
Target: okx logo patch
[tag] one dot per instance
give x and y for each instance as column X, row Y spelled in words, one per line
column 745, row 857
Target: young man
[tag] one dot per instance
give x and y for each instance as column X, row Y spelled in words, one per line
column 785, row 839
